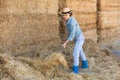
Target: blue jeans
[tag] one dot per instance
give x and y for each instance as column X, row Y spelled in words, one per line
column 78, row 52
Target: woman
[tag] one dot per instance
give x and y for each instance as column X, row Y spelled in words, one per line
column 75, row 34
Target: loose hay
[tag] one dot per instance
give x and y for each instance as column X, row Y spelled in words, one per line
column 57, row 66
column 15, row 70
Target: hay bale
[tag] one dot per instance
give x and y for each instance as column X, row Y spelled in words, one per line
column 91, row 34
column 85, row 18
column 82, row 6
column 109, row 5
column 81, row 11
column 109, row 19
column 35, row 7
column 27, row 25
column 88, row 27
column 108, row 34
column 25, row 30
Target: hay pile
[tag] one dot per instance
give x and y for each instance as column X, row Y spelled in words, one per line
column 103, row 66
column 109, row 19
column 11, row 69
column 104, row 63
column 53, row 67
column 113, row 46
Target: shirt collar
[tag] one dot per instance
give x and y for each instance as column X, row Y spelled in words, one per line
column 69, row 20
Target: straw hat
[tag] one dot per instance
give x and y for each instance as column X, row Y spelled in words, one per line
column 66, row 10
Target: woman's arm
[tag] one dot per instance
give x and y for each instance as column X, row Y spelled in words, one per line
column 64, row 45
column 72, row 31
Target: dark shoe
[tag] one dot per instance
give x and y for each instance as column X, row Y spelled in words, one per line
column 75, row 69
column 84, row 64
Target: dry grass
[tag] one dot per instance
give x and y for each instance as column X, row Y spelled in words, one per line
column 48, row 66
column 102, row 64
column 15, row 70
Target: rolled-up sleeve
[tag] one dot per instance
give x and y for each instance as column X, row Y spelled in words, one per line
column 72, row 32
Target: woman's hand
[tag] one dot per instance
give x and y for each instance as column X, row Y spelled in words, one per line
column 65, row 44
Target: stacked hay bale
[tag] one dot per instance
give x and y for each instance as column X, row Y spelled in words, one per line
column 26, row 26
column 109, row 19
column 85, row 12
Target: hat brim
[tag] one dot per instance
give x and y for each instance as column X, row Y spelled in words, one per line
column 66, row 12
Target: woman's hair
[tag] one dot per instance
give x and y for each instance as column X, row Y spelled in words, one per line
column 70, row 13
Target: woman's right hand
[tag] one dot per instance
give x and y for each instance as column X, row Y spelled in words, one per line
column 64, row 45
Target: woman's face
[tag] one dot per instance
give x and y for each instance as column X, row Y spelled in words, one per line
column 66, row 16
